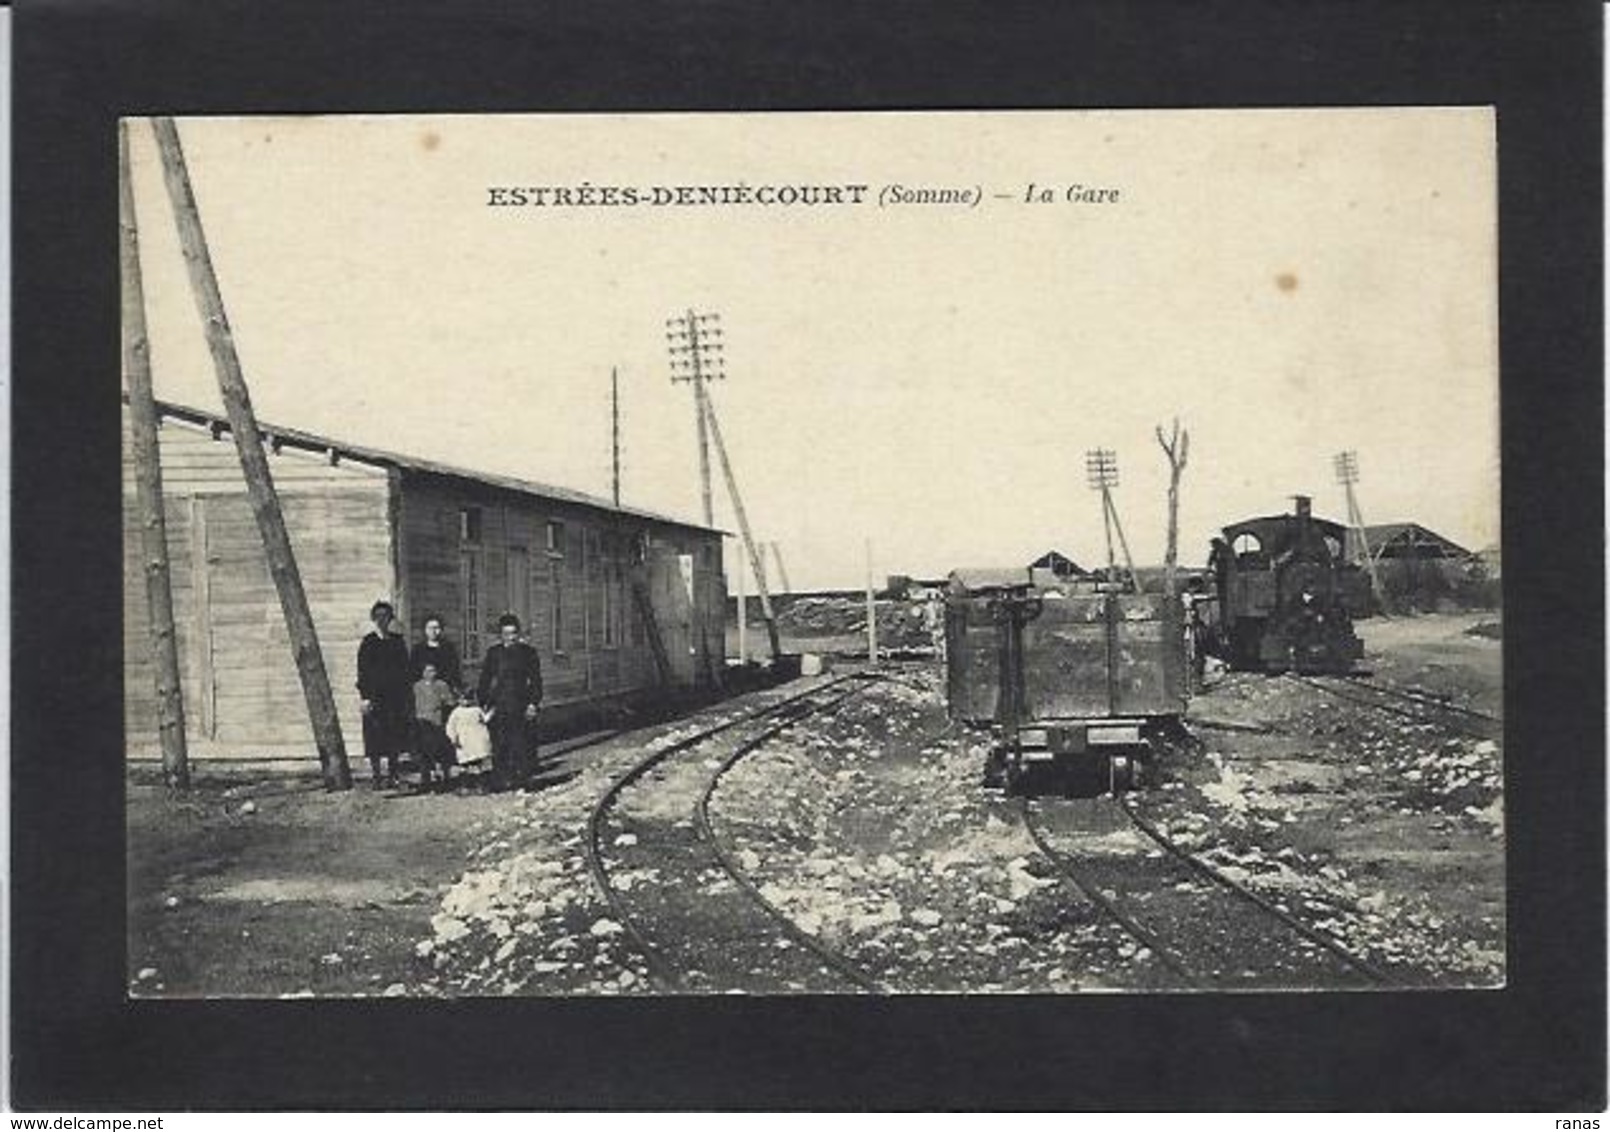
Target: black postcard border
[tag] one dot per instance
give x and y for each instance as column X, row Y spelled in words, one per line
column 75, row 1042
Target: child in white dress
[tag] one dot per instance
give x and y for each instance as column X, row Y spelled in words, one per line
column 466, row 727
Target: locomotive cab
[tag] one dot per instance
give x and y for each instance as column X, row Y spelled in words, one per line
column 1287, row 597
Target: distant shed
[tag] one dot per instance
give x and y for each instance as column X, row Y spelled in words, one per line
column 620, row 602
column 1403, row 540
column 1417, row 567
column 1059, row 564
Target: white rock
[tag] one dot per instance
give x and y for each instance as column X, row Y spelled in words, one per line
column 146, row 974
column 249, row 808
column 448, row 928
column 171, row 902
column 606, row 927
column 927, row 917
column 395, row 990
column 504, row 952
column 626, row 839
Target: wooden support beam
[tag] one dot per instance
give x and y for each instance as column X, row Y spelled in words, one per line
column 148, row 485
column 254, row 462
column 750, row 547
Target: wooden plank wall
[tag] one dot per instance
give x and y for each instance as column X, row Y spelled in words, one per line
column 578, row 665
column 241, row 692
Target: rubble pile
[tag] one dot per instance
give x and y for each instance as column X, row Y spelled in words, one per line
column 867, row 827
column 1306, row 813
column 526, row 918
column 901, row 624
column 894, row 856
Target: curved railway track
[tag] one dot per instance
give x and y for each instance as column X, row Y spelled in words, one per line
column 700, row 924
column 1403, row 703
column 1154, row 889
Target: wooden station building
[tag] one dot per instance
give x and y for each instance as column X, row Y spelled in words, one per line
column 620, row 603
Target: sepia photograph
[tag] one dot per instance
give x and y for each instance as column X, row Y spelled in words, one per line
column 999, row 552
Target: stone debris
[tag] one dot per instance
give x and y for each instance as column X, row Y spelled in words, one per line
column 867, row 829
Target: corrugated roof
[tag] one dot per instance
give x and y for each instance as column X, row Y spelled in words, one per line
column 382, row 458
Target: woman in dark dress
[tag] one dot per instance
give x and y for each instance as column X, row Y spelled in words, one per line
column 438, row 650
column 386, row 688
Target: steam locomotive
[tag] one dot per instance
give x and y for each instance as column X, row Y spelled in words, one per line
column 1286, row 594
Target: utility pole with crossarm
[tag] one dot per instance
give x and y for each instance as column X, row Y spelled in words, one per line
column 1346, row 465
column 1101, row 468
column 696, row 357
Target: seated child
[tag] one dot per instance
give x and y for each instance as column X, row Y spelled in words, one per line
column 432, row 698
column 467, row 729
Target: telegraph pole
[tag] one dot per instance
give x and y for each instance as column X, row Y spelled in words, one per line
column 871, row 611
column 782, row 571
column 1101, row 469
column 696, row 358
column 1346, row 465
column 615, row 434
column 148, row 486
column 743, row 529
column 743, row 619
column 254, row 462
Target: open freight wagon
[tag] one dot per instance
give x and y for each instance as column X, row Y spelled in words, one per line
column 1080, row 682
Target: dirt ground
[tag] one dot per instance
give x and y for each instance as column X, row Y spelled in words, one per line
column 867, row 826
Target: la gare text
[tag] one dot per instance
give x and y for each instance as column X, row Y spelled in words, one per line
column 585, row 194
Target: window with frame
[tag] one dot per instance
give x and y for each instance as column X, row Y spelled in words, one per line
column 469, row 584
column 556, row 608
column 471, row 596
column 554, row 535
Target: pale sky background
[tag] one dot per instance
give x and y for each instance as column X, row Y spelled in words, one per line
column 1288, row 283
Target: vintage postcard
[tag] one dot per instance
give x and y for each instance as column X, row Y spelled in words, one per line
column 984, row 552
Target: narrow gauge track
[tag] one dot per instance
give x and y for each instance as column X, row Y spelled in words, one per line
column 1156, row 895
column 701, row 925
column 1416, row 707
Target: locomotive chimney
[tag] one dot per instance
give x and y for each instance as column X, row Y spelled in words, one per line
column 1305, row 506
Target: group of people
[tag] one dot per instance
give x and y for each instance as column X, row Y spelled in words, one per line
column 415, row 703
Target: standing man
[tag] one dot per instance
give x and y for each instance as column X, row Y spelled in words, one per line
column 511, row 689
column 386, row 694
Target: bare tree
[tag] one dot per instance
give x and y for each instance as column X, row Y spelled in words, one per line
column 1177, row 447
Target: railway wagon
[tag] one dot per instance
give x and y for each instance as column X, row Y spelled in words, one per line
column 1078, row 680
column 1287, row 595
column 622, row 605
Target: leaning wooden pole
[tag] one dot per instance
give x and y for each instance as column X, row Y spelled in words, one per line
column 254, row 462
column 148, row 484
column 1123, row 543
column 708, row 411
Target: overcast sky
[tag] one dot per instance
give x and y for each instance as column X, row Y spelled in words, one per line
column 928, row 376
